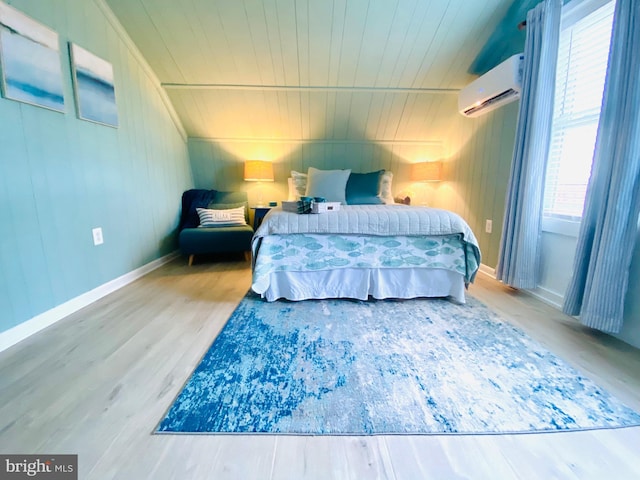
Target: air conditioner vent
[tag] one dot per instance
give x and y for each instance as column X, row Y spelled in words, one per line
column 500, row 85
column 501, row 98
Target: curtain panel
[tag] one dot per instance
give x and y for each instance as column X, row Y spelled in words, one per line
column 520, row 243
column 609, row 225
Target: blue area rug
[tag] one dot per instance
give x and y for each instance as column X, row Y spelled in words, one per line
column 383, row 367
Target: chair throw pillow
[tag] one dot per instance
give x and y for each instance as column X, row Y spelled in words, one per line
column 221, row 218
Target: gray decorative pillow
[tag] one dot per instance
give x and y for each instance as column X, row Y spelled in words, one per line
column 329, row 184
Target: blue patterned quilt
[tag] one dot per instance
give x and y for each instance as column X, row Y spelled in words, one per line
column 363, row 236
column 312, row 252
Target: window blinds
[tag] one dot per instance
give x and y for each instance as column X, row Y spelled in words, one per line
column 582, row 65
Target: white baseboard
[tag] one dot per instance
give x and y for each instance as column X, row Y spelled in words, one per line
column 487, row 270
column 544, row 295
column 547, row 296
column 18, row 333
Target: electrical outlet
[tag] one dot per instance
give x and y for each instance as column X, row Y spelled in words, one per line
column 97, row 236
column 488, row 225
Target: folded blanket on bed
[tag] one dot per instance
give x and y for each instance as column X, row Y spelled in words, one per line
column 382, row 220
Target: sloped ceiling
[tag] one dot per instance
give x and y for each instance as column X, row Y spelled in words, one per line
column 382, row 70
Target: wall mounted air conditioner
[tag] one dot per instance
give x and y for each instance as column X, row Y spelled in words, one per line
column 500, row 85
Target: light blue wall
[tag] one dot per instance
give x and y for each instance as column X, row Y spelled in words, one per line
column 479, row 173
column 495, row 133
column 556, row 265
column 220, row 165
column 631, row 328
column 61, row 176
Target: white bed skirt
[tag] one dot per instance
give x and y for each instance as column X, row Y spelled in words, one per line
column 360, row 283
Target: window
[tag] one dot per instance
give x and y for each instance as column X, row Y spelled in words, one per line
column 582, row 65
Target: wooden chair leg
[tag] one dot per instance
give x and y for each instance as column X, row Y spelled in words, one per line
column 247, row 256
column 191, row 257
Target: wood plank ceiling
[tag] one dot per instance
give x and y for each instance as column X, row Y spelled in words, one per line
column 380, row 70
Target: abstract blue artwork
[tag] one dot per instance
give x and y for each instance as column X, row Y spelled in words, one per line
column 30, row 54
column 94, row 87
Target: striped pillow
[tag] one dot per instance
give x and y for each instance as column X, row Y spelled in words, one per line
column 221, row 218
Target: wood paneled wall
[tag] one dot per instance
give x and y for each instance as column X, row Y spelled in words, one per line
column 476, row 153
column 219, row 163
column 60, row 177
column 477, row 172
column 382, row 43
column 322, row 114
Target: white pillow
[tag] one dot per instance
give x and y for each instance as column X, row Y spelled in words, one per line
column 385, row 188
column 329, row 184
column 221, row 218
column 292, row 197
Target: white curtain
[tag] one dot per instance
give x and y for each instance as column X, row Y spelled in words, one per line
column 610, row 219
column 520, row 242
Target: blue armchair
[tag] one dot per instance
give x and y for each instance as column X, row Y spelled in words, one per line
column 196, row 240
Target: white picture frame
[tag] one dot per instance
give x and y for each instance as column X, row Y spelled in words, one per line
column 30, row 61
column 93, row 84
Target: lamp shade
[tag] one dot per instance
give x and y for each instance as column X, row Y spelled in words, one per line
column 426, row 172
column 258, row 171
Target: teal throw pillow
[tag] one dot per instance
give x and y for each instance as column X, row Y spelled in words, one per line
column 364, row 188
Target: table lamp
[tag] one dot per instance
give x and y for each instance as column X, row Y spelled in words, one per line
column 426, row 172
column 258, row 171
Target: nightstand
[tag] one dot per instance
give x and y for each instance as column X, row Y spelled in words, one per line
column 258, row 215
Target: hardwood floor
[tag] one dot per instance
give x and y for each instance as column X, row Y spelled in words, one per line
column 98, row 382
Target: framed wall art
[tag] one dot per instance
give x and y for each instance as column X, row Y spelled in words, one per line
column 94, row 88
column 30, row 61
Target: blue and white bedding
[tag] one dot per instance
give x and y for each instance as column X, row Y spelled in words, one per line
column 312, row 252
column 400, row 240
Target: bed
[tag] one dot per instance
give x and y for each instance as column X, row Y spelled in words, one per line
column 382, row 251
